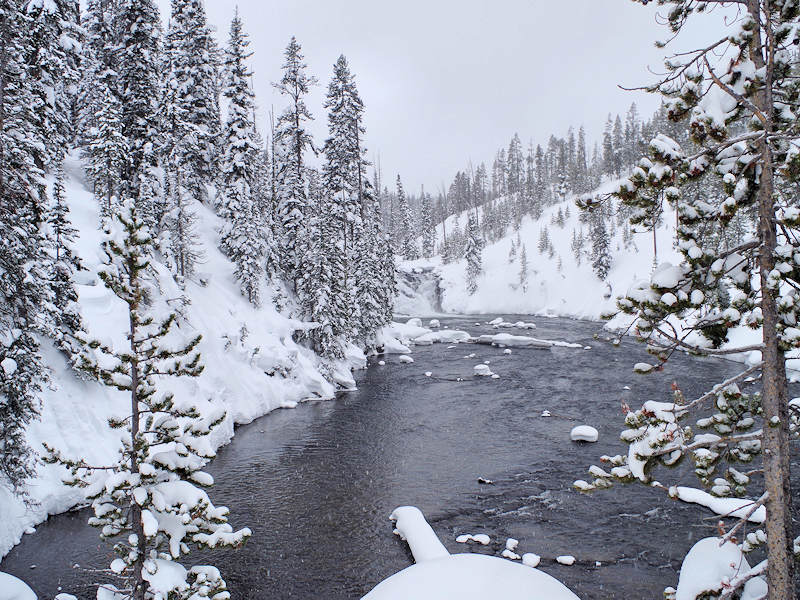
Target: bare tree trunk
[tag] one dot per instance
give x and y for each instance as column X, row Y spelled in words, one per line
column 780, row 572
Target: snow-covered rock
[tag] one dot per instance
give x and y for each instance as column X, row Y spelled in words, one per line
column 642, row 367
column 470, row 577
column 434, row 324
column 414, row 322
column 529, row 559
column 12, row 588
column 709, row 566
column 482, row 371
column 447, row 336
column 405, row 359
column 566, row 559
column 583, row 433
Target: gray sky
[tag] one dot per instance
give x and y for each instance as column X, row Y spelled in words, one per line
column 445, row 81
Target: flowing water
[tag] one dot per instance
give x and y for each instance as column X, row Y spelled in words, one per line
column 316, row 484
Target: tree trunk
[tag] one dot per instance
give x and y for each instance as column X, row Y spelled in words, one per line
column 780, row 572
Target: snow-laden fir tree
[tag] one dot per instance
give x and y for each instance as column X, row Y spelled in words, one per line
column 472, row 254
column 152, row 501
column 137, row 26
column 406, row 231
column 23, row 261
column 182, row 245
column 193, row 77
column 106, row 150
column 65, row 322
column 292, row 140
column 427, row 225
column 523, row 269
column 742, row 120
column 52, row 48
column 242, row 238
column 600, row 252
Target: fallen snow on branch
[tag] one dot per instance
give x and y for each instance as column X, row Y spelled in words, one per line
column 733, row 507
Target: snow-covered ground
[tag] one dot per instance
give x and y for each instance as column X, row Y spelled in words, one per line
column 573, row 290
column 252, row 365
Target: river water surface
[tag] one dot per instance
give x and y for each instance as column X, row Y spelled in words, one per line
column 316, row 484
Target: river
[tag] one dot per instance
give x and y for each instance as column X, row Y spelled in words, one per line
column 316, row 484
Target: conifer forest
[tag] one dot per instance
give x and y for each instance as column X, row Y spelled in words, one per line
column 427, row 301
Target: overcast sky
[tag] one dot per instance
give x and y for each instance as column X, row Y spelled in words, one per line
column 446, row 81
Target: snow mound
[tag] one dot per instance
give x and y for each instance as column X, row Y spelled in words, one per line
column 529, row 559
column 447, row 336
column 708, row 567
column 510, row 554
column 642, row 367
column 470, row 577
column 504, row 340
column 583, row 433
column 405, row 359
column 481, row 538
column 12, row 588
column 434, row 324
column 566, row 559
column 482, row 371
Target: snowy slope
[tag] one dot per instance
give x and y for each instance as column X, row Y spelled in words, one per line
column 246, row 377
column 573, row 291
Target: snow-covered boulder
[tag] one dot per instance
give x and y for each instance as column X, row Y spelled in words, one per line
column 448, row 336
column 405, row 359
column 642, row 368
column 438, row 575
column 708, row 567
column 414, row 322
column 482, row 371
column 12, row 588
column 434, row 324
column 583, row 433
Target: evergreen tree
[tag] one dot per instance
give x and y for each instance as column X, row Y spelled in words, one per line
column 473, row 254
column 138, row 27
column 428, row 226
column 23, row 261
column 153, row 494
column 65, row 316
column 523, row 269
column 292, row 140
column 193, row 77
column 52, row 49
column 408, row 244
column 601, row 256
column 242, row 238
column 179, row 224
column 106, row 152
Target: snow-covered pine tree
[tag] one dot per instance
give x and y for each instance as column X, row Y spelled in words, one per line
column 428, row 226
column 137, row 26
column 22, row 258
column 106, row 150
column 53, row 47
column 473, row 254
column 151, row 499
column 406, row 233
column 292, row 140
column 600, row 250
column 179, row 225
column 523, row 269
column 742, row 119
column 65, row 317
column 242, row 236
column 193, row 76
